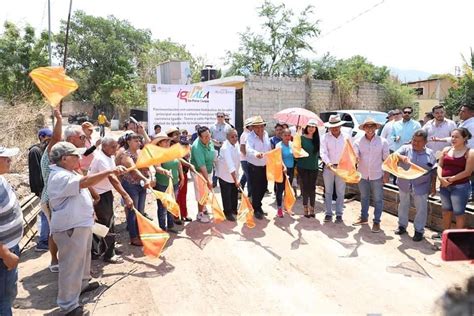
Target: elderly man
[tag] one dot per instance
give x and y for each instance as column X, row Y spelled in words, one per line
column 402, row 131
column 71, row 222
column 419, row 188
column 104, row 210
column 257, row 145
column 243, row 156
column 202, row 158
column 11, row 228
column 332, row 144
column 438, row 130
column 219, row 132
column 227, row 171
column 371, row 151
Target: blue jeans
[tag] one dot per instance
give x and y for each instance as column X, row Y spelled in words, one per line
column 455, row 197
column 44, row 233
column 165, row 218
column 138, row 195
column 245, row 178
column 368, row 188
column 330, row 179
column 8, row 288
column 421, row 206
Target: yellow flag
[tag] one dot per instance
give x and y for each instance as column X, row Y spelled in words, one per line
column 168, row 199
column 245, row 213
column 391, row 165
column 217, row 211
column 153, row 155
column 346, row 169
column 274, row 165
column 153, row 238
column 289, row 199
column 298, row 151
column 53, row 83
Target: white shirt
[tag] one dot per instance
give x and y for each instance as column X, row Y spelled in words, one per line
column 101, row 163
column 371, row 154
column 439, row 130
column 331, row 147
column 387, row 132
column 228, row 161
column 256, row 145
column 71, row 206
column 243, row 141
column 469, row 125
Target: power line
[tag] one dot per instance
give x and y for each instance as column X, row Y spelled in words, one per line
column 352, row 19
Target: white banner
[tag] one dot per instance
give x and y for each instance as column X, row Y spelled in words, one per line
column 185, row 106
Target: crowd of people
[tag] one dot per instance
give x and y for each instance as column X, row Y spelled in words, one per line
column 76, row 177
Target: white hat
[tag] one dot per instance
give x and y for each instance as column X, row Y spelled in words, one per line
column 257, row 120
column 8, row 152
column 334, row 121
column 312, row 122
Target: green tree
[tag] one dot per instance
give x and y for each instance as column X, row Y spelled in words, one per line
column 277, row 51
column 463, row 91
column 396, row 94
column 103, row 55
column 20, row 52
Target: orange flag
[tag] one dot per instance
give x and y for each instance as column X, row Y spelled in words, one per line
column 168, row 199
column 298, row 151
column 391, row 165
column 217, row 211
column 153, row 238
column 245, row 213
column 153, row 155
column 289, row 199
column 53, row 83
column 274, row 165
column 346, row 169
column 203, row 190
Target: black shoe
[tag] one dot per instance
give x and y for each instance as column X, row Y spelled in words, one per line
column 400, row 230
column 178, row 222
column 338, row 219
column 172, row 230
column 230, row 218
column 91, row 287
column 307, row 215
column 258, row 215
column 327, row 218
column 418, row 236
column 78, row 311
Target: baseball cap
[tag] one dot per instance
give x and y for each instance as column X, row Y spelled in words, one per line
column 62, row 149
column 45, row 132
column 8, row 152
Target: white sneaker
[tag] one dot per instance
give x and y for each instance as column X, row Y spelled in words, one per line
column 203, row 218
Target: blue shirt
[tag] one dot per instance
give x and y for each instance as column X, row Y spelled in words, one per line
column 424, row 159
column 274, row 141
column 287, row 154
column 405, row 130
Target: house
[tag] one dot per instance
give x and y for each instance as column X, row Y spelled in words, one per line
column 430, row 92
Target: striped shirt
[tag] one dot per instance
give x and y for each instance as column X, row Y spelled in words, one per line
column 45, row 170
column 11, row 221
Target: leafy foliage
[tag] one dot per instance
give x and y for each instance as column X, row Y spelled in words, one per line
column 20, row 52
column 277, row 51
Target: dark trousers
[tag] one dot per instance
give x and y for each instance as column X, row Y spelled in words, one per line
column 308, row 185
column 229, row 195
column 245, row 178
column 258, row 181
column 8, row 287
column 104, row 211
column 280, row 187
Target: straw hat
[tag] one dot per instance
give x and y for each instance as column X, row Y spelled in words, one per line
column 171, row 130
column 248, row 121
column 257, row 120
column 88, row 125
column 334, row 121
column 159, row 137
column 312, row 122
column 369, row 121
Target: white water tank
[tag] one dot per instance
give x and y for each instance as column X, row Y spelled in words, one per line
column 173, row 72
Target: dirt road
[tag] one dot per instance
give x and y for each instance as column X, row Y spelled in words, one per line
column 292, row 265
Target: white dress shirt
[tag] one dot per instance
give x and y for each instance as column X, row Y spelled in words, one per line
column 228, row 161
column 256, row 145
column 331, row 147
column 439, row 130
column 102, row 162
column 243, row 141
column 469, row 125
column 387, row 132
column 371, row 154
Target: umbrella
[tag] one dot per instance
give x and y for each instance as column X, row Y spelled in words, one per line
column 297, row 116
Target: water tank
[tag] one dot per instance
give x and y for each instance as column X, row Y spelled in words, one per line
column 208, row 73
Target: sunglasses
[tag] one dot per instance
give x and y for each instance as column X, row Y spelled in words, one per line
column 407, row 112
column 219, row 116
column 370, row 126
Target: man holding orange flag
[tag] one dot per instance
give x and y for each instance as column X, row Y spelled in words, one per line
column 371, row 151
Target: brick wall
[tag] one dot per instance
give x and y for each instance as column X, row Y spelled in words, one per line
column 266, row 96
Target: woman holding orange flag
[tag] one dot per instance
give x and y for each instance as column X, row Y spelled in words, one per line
column 308, row 166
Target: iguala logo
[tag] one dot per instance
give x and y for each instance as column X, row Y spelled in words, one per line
column 197, row 94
